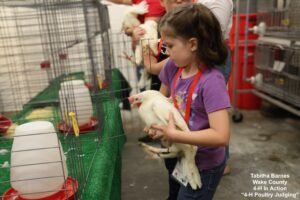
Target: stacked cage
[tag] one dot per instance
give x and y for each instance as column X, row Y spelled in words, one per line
column 280, row 17
column 61, row 95
column 242, row 45
column 280, row 70
column 278, row 53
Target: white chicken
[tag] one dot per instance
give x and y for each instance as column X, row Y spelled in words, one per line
column 130, row 16
column 154, row 108
column 150, row 38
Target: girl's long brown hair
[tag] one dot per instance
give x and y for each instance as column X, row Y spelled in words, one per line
column 195, row 20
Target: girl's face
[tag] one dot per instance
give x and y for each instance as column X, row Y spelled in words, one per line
column 170, row 4
column 181, row 51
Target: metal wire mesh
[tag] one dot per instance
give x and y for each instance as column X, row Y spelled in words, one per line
column 280, row 16
column 44, row 46
column 280, row 68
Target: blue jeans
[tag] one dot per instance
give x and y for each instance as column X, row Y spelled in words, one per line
column 210, row 180
column 227, row 152
column 174, row 186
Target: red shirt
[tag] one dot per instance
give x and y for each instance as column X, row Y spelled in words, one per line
column 154, row 9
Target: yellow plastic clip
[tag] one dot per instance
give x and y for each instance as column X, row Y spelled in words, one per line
column 285, row 22
column 100, row 81
column 74, row 123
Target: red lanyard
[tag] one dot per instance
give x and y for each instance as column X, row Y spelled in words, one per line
column 190, row 93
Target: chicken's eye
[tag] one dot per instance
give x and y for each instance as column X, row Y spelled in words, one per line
column 136, row 98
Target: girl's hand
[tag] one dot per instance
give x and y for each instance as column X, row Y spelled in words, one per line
column 169, row 131
column 128, row 31
column 154, row 133
column 147, row 51
column 137, row 33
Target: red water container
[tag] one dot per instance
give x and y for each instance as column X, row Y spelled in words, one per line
column 247, row 101
column 242, row 35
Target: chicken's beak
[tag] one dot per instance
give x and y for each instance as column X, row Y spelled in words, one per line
column 131, row 100
column 134, row 102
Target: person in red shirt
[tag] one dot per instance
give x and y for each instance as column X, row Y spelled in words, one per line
column 155, row 12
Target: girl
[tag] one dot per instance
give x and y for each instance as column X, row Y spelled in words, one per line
column 194, row 43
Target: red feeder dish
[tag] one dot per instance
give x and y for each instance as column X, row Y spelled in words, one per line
column 63, row 56
column 4, row 123
column 45, row 64
column 104, row 84
column 64, row 194
column 89, row 86
column 90, row 126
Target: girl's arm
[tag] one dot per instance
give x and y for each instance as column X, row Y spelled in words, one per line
column 215, row 136
column 164, row 90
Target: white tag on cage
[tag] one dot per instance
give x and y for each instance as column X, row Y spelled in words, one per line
column 179, row 175
column 281, row 66
column 278, row 65
column 275, row 64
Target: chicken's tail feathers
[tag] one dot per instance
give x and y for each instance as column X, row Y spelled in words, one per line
column 190, row 168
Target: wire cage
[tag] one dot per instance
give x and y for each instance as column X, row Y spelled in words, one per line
column 61, row 64
column 280, row 16
column 280, row 70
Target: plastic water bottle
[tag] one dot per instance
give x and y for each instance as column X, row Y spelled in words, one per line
column 75, row 97
column 38, row 166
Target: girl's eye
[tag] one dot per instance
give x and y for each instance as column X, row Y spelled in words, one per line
column 169, row 46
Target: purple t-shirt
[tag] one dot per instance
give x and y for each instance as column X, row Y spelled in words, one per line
column 210, row 95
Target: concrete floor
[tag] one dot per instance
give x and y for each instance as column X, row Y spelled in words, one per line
column 259, row 145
